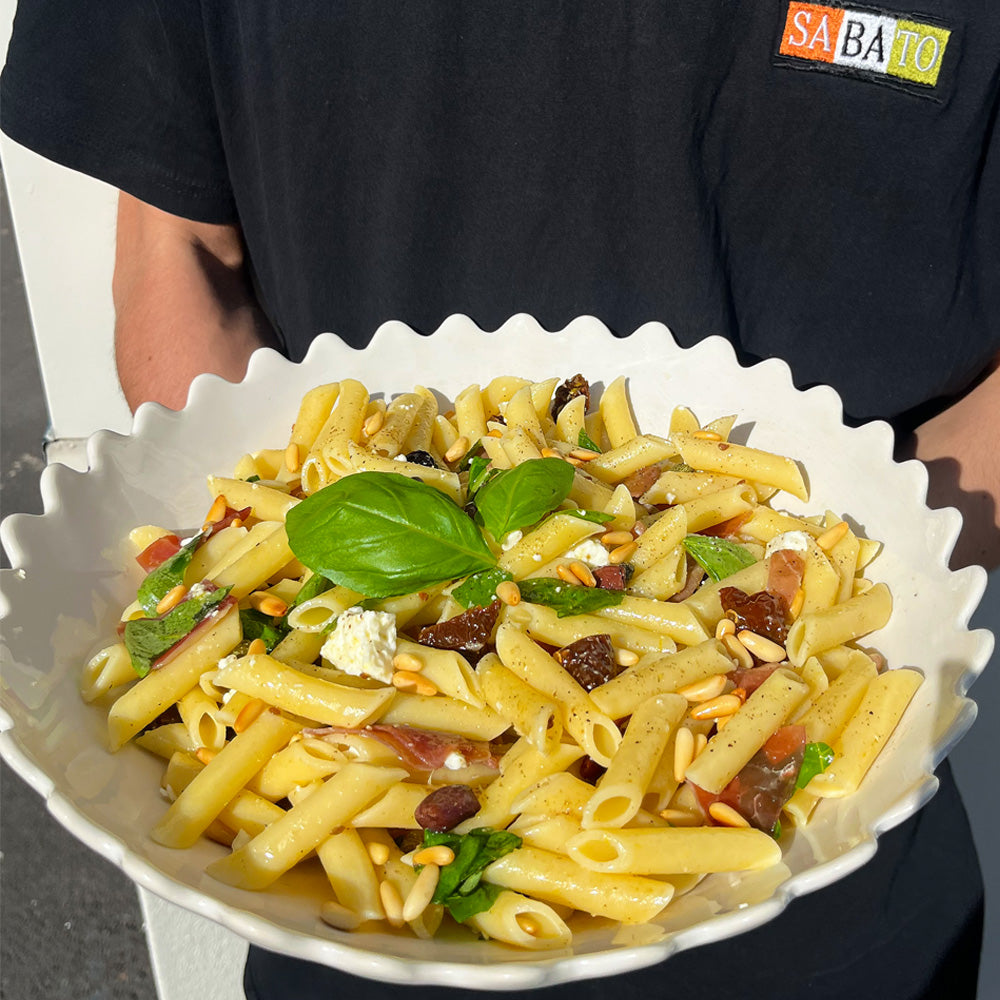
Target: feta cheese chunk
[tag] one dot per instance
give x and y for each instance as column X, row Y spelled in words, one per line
column 589, row 551
column 796, row 541
column 363, row 643
column 455, row 761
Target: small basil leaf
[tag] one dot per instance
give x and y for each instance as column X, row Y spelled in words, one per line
column 479, row 590
column 584, row 440
column 160, row 581
column 463, row 907
column 776, row 830
column 253, row 479
column 567, row 599
column 257, row 625
column 316, row 584
column 718, row 557
column 147, row 639
column 479, row 471
column 816, row 758
column 597, row 516
column 474, row 852
column 384, row 535
column 518, row 497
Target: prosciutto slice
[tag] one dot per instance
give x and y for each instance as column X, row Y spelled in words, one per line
column 421, row 749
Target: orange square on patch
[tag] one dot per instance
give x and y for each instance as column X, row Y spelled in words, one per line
column 811, row 31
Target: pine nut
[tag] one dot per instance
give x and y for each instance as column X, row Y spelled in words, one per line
column 216, row 512
column 339, row 916
column 509, row 593
column 738, row 651
column 622, row 553
column 268, row 604
column 680, row 817
column 420, row 895
column 707, row 436
column 439, row 855
column 706, row 690
column 551, row 453
column 379, row 853
column 829, row 538
column 425, row 687
column 528, row 924
column 717, row 708
column 292, row 460
column 683, row 752
column 407, row 859
column 612, row 539
column 726, row 815
column 204, row 754
column 256, row 648
column 700, row 742
column 725, row 627
column 798, row 601
column 626, row 657
column 575, row 462
column 585, row 454
column 722, row 722
column 762, row 647
column 583, row 573
column 408, row 662
column 374, row 423
column 171, row 599
column 248, row 714
column 459, row 447
column 236, row 522
column 392, row 903
column 565, row 573
column 403, row 680
column 494, row 433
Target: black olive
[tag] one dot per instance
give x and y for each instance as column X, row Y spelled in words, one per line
column 421, row 458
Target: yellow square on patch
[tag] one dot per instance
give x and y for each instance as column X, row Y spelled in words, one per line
column 917, row 52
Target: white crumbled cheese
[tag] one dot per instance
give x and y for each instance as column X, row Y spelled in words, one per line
column 588, row 551
column 363, row 643
column 227, row 661
column 399, row 458
column 797, row 541
column 168, row 793
column 512, row 538
column 198, row 590
column 536, row 556
column 455, row 761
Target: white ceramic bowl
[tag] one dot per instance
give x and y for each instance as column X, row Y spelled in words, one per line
column 72, row 576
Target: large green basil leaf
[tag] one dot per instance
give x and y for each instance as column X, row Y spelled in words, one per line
column 384, row 535
column 160, row 581
column 717, row 557
column 518, row 497
column 567, row 599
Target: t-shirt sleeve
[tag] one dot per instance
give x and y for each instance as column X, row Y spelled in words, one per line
column 120, row 90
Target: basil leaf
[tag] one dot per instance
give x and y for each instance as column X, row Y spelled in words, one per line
column 776, row 830
column 479, row 472
column 717, row 557
column 160, row 581
column 257, row 625
column 384, row 535
column 147, row 639
column 518, row 497
column 459, row 884
column 479, row 590
column 476, row 451
column 568, row 599
column 584, row 440
column 597, row 516
column 316, row 584
column 463, row 907
column 816, row 758
column 252, row 479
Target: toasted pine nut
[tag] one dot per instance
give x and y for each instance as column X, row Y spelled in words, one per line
column 722, row 722
column 829, row 538
column 407, row 859
column 204, row 754
column 268, row 604
column 171, row 598
column 798, row 601
column 551, row 453
column 236, row 522
column 585, row 454
column 217, row 511
column 726, row 815
column 256, row 648
column 439, row 855
column 379, row 853
column 292, row 460
column 248, row 714
column 565, row 573
column 683, row 752
column 420, row 895
column 583, row 573
column 339, row 916
column 575, row 462
column 409, row 662
column 509, row 593
column 622, row 553
column 392, row 903
column 707, row 435
column 612, row 539
column 762, row 647
column 403, row 680
column 725, row 627
column 738, row 651
column 528, row 924
column 679, row 817
column 700, row 742
column 495, row 433
column 726, row 704
column 425, row 687
column 626, row 657
column 706, row 690
column 459, row 447
column 374, row 423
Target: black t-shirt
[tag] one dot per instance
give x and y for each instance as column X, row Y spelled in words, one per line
column 813, row 183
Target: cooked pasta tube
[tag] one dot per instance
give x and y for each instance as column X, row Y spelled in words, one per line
column 675, row 620
column 765, row 711
column 521, row 416
column 442, row 480
column 469, row 413
column 705, row 600
column 814, row 633
column 663, row 579
column 342, row 428
column 616, row 413
column 166, row 740
column 632, row 899
column 351, row 874
column 304, row 827
column 714, row 508
column 322, row 611
column 268, row 504
column 830, row 712
column 300, row 763
column 679, row 487
column 589, row 493
column 526, row 923
column 617, row 464
column 400, row 415
column 201, row 716
column 532, row 715
column 551, row 834
column 559, row 794
column 395, row 809
column 106, row 670
column 551, row 539
column 446, row 669
column 314, row 411
column 676, row 850
column 661, row 538
column 570, row 421
column 227, row 772
column 268, row 554
column 444, row 714
column 262, row 676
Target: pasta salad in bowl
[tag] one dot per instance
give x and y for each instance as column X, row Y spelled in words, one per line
column 552, row 671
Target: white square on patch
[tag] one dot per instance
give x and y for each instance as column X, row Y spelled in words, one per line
column 865, row 41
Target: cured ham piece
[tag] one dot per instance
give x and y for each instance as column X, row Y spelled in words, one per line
column 203, row 626
column 784, row 574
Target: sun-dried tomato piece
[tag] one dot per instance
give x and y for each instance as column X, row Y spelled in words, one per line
column 763, row 612
column 641, row 480
column 590, row 661
column 613, row 577
column 469, row 633
column 446, row 807
column 570, row 389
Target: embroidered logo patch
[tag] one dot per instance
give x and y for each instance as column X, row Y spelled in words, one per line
column 877, row 45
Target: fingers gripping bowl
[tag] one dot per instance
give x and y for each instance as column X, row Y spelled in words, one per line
column 71, row 580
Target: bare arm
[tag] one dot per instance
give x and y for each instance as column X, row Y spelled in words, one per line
column 183, row 304
column 961, row 448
